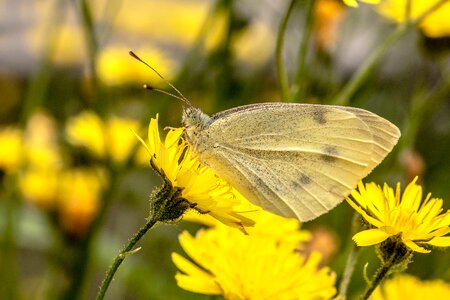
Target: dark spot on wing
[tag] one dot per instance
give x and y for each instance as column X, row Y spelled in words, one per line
column 301, row 181
column 319, row 115
column 304, row 179
column 329, row 154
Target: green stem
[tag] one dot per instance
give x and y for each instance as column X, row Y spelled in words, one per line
column 299, row 88
column 343, row 98
column 122, row 255
column 349, row 268
column 282, row 76
column 40, row 80
column 422, row 105
column 351, row 259
column 81, row 262
column 97, row 94
column 9, row 283
column 367, row 69
column 377, row 279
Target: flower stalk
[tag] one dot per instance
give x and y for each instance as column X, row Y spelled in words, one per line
column 395, row 257
column 165, row 205
column 127, row 250
column 299, row 87
column 281, row 72
column 351, row 259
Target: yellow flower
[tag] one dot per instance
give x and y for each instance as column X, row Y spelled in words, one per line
column 155, row 20
column 41, row 142
column 260, row 265
column 205, row 192
column 116, row 67
column 411, row 288
column 79, row 198
column 40, row 186
column 354, row 3
column 69, row 46
column 39, row 180
column 86, row 129
column 328, row 17
column 11, row 141
column 436, row 24
column 254, row 44
column 394, row 214
column 113, row 138
column 120, row 138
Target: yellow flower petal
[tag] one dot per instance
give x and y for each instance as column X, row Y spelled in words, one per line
column 197, row 285
column 413, row 246
column 440, row 241
column 370, row 237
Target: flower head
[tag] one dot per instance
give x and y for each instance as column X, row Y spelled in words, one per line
column 79, row 198
column 260, row 265
column 115, row 69
column 196, row 183
column 435, row 25
column 412, row 288
column 391, row 214
column 11, row 150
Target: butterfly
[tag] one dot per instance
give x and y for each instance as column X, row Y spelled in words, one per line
column 292, row 159
column 295, row 160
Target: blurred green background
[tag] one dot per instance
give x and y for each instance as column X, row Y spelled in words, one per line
column 75, row 185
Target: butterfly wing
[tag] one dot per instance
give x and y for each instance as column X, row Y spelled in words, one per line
column 296, row 160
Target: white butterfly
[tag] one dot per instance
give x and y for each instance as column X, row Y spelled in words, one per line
column 295, row 160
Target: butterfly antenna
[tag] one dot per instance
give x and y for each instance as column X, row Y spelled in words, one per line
column 148, row 87
column 179, row 95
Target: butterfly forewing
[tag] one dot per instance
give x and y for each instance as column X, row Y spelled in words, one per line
column 296, row 160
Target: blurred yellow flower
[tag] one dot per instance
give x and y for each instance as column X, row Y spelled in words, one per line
column 435, row 25
column 354, row 3
column 69, row 47
column 394, row 214
column 41, row 142
column 261, row 265
column 166, row 21
column 116, row 67
column 40, row 186
column 205, row 192
column 87, row 129
column 120, row 138
column 328, row 16
column 254, row 44
column 217, row 30
column 79, row 198
column 411, row 288
column 38, row 181
column 113, row 138
column 11, row 149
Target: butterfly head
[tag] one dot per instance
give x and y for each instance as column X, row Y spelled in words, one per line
column 194, row 121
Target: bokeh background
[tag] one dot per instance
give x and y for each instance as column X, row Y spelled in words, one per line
column 74, row 180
